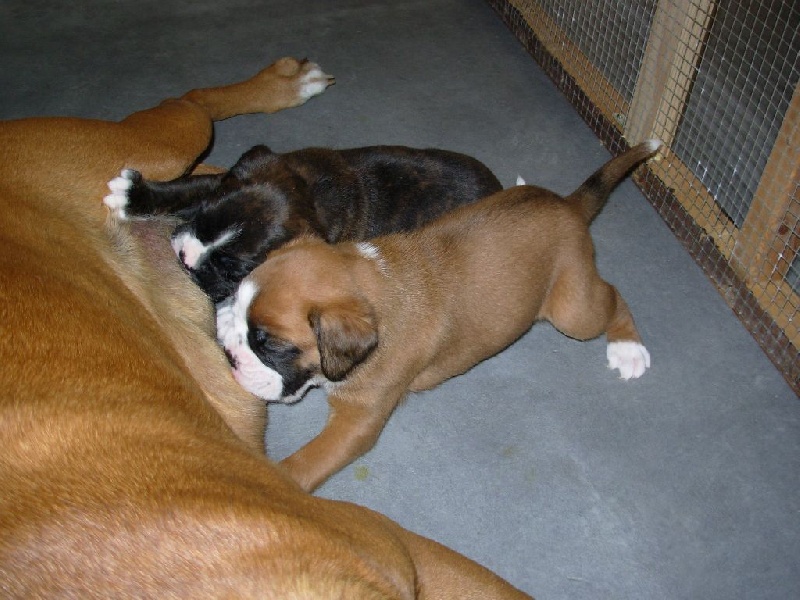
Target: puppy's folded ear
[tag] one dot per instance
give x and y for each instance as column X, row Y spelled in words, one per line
column 346, row 334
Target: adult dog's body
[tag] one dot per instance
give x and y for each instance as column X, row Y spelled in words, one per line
column 234, row 219
column 375, row 320
column 132, row 463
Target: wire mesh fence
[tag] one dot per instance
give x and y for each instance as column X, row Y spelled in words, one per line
column 719, row 83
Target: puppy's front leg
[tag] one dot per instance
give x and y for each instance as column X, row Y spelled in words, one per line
column 354, row 423
column 133, row 196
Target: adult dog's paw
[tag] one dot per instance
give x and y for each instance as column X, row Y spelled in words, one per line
column 117, row 200
column 312, row 81
column 631, row 358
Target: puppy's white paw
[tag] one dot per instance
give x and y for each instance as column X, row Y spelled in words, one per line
column 313, row 82
column 631, row 358
column 117, row 200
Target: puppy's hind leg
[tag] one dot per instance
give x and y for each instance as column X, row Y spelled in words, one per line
column 582, row 305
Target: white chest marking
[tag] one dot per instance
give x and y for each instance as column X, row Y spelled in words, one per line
column 370, row 251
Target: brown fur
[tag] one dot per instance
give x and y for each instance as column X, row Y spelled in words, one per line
column 438, row 301
column 132, row 463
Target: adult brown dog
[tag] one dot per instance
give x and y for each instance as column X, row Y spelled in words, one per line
column 372, row 321
column 132, row 463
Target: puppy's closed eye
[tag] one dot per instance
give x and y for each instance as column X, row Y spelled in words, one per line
column 271, row 350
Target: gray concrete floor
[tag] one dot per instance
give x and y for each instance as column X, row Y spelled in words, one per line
column 539, row 463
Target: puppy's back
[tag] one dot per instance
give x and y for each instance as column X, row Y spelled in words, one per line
column 404, row 188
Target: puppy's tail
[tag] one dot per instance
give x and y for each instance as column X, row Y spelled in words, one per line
column 592, row 195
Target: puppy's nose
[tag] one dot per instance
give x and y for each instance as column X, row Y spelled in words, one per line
column 190, row 270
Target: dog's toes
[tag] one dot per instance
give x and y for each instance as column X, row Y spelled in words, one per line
column 313, row 81
column 630, row 358
column 117, row 200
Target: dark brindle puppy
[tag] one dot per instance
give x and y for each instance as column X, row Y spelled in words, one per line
column 232, row 220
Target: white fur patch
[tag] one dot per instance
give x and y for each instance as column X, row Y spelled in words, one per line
column 117, row 200
column 311, row 383
column 368, row 250
column 313, row 83
column 250, row 372
column 188, row 248
column 631, row 358
column 520, row 180
column 191, row 250
column 653, row 144
column 371, row 252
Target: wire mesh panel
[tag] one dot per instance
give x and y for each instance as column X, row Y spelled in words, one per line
column 610, row 33
column 741, row 93
column 718, row 82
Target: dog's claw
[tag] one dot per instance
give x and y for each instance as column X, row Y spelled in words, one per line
column 630, row 358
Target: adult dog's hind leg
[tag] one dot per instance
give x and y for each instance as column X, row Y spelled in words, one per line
column 71, row 160
column 443, row 573
column 165, row 141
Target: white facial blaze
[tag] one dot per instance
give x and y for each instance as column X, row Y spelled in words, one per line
column 250, row 372
column 191, row 250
